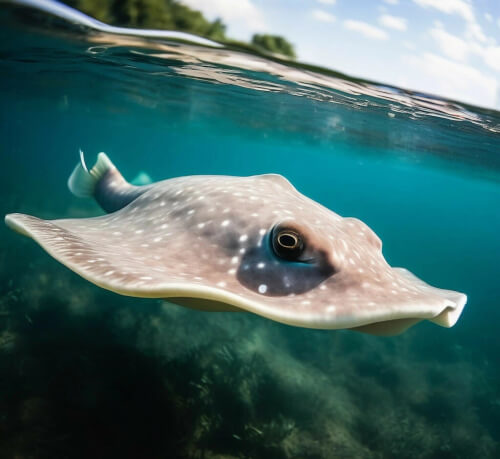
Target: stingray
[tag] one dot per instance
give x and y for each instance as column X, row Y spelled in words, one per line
column 224, row 243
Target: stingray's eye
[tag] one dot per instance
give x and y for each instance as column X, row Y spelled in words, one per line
column 287, row 244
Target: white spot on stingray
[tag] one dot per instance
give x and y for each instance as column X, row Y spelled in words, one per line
column 331, row 308
column 201, row 225
column 305, row 302
column 261, row 265
column 243, row 237
column 108, row 273
column 190, row 212
column 225, row 223
column 322, row 287
column 146, row 278
column 234, row 260
column 262, row 288
column 262, row 231
column 242, row 251
column 139, row 231
column 231, row 271
column 221, row 284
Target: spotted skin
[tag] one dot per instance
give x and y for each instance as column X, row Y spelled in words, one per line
column 207, row 239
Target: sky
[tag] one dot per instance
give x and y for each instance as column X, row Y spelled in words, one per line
column 449, row 48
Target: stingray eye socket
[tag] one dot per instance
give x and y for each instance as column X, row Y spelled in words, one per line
column 288, row 244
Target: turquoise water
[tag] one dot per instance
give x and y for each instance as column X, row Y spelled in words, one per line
column 87, row 372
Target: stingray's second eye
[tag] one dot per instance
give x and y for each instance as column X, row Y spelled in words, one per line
column 287, row 244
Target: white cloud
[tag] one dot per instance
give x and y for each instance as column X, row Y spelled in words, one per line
column 488, row 17
column 460, row 7
column 474, row 32
column 458, row 49
column 438, row 75
column 409, row 45
column 242, row 19
column 451, row 45
column 392, row 2
column 393, row 22
column 491, row 56
column 322, row 16
column 368, row 30
column 327, row 2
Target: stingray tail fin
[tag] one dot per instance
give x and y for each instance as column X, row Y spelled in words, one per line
column 82, row 181
column 104, row 183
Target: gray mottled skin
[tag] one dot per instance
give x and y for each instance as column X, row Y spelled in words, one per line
column 112, row 192
column 205, row 240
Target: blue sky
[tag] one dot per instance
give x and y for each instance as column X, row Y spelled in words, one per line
column 449, row 48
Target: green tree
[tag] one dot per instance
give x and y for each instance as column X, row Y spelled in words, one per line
column 152, row 14
column 173, row 15
column 274, row 44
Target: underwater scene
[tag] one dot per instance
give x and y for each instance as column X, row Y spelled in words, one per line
column 87, row 372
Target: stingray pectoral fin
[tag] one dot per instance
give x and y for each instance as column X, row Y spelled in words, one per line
column 454, row 307
column 16, row 224
column 452, row 302
column 202, row 304
column 66, row 247
column 82, row 247
column 388, row 328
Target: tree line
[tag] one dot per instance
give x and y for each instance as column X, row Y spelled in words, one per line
column 173, row 15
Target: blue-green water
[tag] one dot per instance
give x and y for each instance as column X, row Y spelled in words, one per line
column 84, row 372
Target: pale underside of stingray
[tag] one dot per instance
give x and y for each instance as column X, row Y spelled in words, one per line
column 237, row 243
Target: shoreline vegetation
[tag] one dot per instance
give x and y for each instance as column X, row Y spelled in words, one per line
column 173, row 15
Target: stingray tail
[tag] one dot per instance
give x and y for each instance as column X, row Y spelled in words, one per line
column 104, row 183
column 82, row 181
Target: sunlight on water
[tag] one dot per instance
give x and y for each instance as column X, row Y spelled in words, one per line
column 85, row 369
